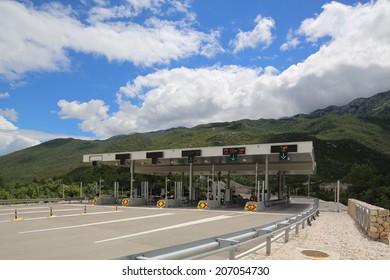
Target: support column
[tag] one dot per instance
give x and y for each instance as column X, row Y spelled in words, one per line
column 266, row 178
column 263, row 195
column 280, row 185
column 213, row 188
column 338, row 195
column 131, row 178
column 166, row 188
column 257, row 184
column 284, row 181
column 190, row 184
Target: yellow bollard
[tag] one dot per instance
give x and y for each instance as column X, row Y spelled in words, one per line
column 16, row 216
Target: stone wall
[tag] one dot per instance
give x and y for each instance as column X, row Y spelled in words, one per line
column 373, row 219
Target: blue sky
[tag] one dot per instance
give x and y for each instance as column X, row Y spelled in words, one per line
column 93, row 69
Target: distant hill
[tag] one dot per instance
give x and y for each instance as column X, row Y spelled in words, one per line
column 358, row 132
column 377, row 105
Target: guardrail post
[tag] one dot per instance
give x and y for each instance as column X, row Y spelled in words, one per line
column 286, row 234
column 297, row 229
column 232, row 254
column 268, row 247
column 226, row 243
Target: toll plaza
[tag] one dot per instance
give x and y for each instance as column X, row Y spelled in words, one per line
column 258, row 160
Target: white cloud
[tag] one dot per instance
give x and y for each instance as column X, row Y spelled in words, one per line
column 14, row 139
column 4, row 95
column 291, row 41
column 92, row 109
column 42, row 36
column 9, row 114
column 354, row 62
column 260, row 35
column 129, row 9
column 5, row 124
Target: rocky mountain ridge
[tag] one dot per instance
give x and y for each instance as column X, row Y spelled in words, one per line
column 376, row 104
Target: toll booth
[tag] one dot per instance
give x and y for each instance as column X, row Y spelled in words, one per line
column 171, row 200
column 267, row 159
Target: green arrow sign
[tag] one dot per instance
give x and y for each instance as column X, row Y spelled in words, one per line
column 283, row 155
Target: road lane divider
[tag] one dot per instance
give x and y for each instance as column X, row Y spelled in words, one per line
column 206, row 220
column 20, row 211
column 97, row 223
column 16, row 216
column 51, row 213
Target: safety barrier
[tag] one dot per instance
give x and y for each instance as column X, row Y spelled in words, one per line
column 230, row 243
column 374, row 220
column 40, row 200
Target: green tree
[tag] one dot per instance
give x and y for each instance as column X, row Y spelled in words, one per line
column 361, row 177
column 4, row 194
column 368, row 185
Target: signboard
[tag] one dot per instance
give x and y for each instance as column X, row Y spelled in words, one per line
column 154, row 156
column 237, row 151
column 122, row 158
column 233, row 152
column 283, row 150
column 278, row 148
column 195, row 153
column 191, row 154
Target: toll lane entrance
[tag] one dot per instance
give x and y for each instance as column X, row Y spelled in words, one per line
column 282, row 159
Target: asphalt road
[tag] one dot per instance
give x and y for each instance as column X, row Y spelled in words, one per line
column 103, row 233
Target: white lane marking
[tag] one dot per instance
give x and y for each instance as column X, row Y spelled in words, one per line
column 71, row 215
column 167, row 228
column 41, row 211
column 98, row 223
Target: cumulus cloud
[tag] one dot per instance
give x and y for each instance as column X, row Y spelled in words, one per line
column 260, row 35
column 11, row 141
column 5, row 124
column 11, row 138
column 353, row 62
column 291, row 41
column 42, row 35
column 128, row 9
column 10, row 114
column 4, row 95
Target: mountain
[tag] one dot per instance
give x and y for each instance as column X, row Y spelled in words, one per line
column 358, row 132
column 377, row 104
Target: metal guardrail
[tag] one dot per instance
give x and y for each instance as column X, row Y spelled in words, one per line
column 362, row 215
column 39, row 200
column 230, row 243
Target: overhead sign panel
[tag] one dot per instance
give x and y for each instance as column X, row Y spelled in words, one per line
column 191, row 154
column 289, row 148
column 233, row 152
column 122, row 158
column 154, row 156
column 283, row 150
column 195, row 153
column 237, row 151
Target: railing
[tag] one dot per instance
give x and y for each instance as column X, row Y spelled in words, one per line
column 362, row 216
column 230, row 243
column 38, row 200
column 374, row 220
